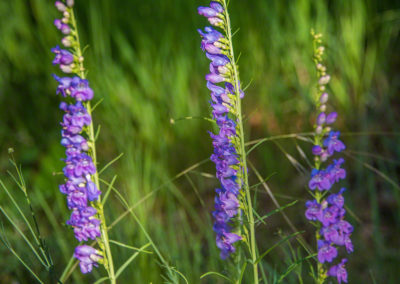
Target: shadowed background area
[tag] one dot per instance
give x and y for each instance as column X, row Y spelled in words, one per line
column 146, row 65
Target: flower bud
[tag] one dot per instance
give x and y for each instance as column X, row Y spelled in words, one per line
column 66, row 41
column 60, row 6
column 324, row 80
column 324, row 98
column 321, row 118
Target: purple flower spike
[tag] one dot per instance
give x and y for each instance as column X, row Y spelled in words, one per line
column 88, row 257
column 327, row 211
column 80, row 190
column 339, row 271
column 225, row 154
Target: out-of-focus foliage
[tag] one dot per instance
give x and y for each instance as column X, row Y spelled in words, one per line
column 145, row 64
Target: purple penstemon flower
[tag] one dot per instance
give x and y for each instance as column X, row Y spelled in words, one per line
column 80, row 190
column 327, row 209
column 225, row 155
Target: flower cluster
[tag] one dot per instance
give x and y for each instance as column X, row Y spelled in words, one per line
column 79, row 169
column 327, row 209
column 225, row 154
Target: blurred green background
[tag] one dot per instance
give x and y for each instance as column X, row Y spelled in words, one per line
column 145, row 62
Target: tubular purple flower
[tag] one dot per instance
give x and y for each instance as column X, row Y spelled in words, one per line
column 207, row 12
column 215, row 21
column 63, row 57
column 339, row 271
column 331, row 118
column 88, row 257
column 326, row 252
column 214, row 78
column 333, row 144
column 321, row 118
column 212, row 49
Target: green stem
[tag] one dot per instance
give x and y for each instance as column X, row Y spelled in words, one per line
column 104, row 244
column 242, row 150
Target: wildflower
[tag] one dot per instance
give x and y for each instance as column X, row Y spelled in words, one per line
column 327, row 210
column 81, row 191
column 339, row 271
column 225, row 154
column 313, row 210
column 88, row 257
column 63, row 57
column 225, row 243
column 326, row 252
column 320, row 179
column 332, row 143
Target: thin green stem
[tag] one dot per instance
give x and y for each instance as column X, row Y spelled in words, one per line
column 104, row 244
column 242, row 150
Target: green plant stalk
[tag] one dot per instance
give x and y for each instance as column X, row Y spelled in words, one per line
column 104, row 243
column 242, row 149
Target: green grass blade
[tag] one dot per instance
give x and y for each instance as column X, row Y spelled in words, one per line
column 24, row 237
column 110, row 163
column 128, row 246
column 216, row 274
column 277, row 244
column 293, row 266
column 126, row 263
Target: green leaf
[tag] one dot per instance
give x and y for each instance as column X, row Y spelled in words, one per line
column 277, row 210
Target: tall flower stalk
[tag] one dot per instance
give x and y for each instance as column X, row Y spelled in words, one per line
column 326, row 211
column 233, row 197
column 78, row 137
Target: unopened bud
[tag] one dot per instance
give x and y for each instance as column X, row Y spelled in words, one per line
column 60, row 6
column 324, row 98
